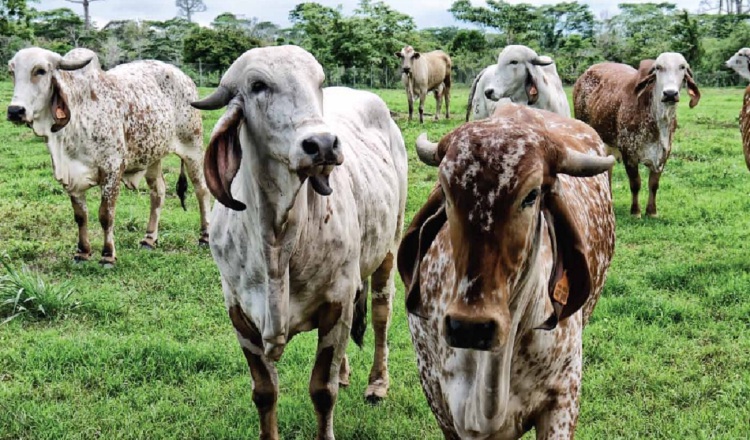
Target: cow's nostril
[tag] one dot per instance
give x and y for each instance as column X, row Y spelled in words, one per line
column 460, row 333
column 311, row 147
column 16, row 113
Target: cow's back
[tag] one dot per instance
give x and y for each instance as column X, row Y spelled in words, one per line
column 375, row 165
column 438, row 65
column 158, row 96
column 598, row 95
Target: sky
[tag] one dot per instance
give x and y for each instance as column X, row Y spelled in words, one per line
column 426, row 13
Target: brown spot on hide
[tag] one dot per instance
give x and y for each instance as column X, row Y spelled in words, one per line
column 381, row 275
column 243, row 326
column 321, row 396
column 328, row 315
column 93, row 96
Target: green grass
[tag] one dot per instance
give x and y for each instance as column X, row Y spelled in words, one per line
column 150, row 352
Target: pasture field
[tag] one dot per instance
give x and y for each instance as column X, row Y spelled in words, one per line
column 146, row 350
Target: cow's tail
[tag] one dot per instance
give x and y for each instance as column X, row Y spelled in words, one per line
column 470, row 105
column 359, row 322
column 182, row 185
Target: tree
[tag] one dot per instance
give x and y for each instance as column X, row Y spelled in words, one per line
column 216, row 48
column 187, row 8
column 58, row 29
column 514, row 21
column 86, row 16
column 14, row 18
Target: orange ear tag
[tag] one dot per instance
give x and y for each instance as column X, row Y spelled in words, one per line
column 562, row 289
column 691, row 92
column 59, row 113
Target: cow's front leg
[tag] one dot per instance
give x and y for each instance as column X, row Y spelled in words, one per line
column 653, row 186
column 422, row 99
column 263, row 372
column 155, row 181
column 110, row 192
column 383, row 289
column 81, row 215
column 635, row 187
column 438, row 101
column 410, row 99
column 334, row 322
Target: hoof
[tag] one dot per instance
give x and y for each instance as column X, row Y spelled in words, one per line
column 635, row 214
column 376, row 391
column 107, row 262
column 203, row 243
column 343, row 383
column 373, row 399
column 652, row 215
column 147, row 247
column 81, row 258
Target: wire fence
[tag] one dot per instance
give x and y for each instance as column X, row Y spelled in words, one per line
column 374, row 77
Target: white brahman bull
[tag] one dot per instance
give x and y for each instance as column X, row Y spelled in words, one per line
column 521, row 76
column 321, row 175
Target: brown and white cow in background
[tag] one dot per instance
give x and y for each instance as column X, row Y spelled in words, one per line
column 104, row 127
column 635, row 113
column 740, row 63
column 422, row 73
column 521, row 76
column 503, row 266
column 321, row 174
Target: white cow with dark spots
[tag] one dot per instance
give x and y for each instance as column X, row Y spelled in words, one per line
column 311, row 185
column 104, row 127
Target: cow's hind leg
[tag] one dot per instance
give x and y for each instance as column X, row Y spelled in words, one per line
column 263, row 373
column 653, row 186
column 635, row 187
column 192, row 157
column 81, row 215
column 447, row 95
column 110, row 192
column 334, row 320
column 158, row 189
column 383, row 290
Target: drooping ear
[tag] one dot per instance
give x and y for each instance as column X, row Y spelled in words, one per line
column 399, row 54
column 416, row 56
column 532, row 81
column 224, row 154
column 646, row 76
column 570, row 285
column 422, row 231
column 695, row 94
column 59, row 106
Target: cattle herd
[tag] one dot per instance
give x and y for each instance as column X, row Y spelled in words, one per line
column 502, row 265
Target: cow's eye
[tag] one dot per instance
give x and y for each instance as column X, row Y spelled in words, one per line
column 514, row 62
column 40, row 72
column 682, row 67
column 259, row 86
column 530, row 198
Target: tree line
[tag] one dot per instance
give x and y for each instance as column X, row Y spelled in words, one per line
column 364, row 42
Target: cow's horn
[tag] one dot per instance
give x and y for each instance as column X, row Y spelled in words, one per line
column 427, row 151
column 74, row 64
column 542, row 60
column 218, row 99
column 584, row 165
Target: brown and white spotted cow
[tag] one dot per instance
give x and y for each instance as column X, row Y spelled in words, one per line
column 321, row 173
column 104, row 127
column 503, row 266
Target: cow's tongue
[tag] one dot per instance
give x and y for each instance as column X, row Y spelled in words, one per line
column 319, row 183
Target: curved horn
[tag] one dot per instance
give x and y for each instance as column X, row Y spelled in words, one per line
column 578, row 164
column 542, row 60
column 218, row 99
column 74, row 64
column 427, row 151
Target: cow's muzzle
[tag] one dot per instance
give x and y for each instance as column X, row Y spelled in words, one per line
column 474, row 335
column 323, row 152
column 17, row 114
column 670, row 96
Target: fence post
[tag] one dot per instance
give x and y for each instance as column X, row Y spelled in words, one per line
column 200, row 74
